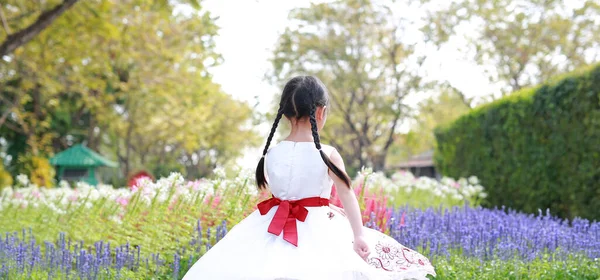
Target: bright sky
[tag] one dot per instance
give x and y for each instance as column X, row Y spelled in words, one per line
column 248, row 32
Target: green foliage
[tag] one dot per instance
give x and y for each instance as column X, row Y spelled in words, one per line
column 38, row 169
column 522, row 43
column 91, row 215
column 432, row 112
column 458, row 267
column 134, row 86
column 535, row 149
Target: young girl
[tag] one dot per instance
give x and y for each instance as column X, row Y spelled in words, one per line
column 295, row 234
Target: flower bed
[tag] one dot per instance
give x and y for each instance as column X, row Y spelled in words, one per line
column 454, row 239
column 157, row 229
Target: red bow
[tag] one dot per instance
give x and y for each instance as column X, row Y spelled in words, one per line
column 288, row 212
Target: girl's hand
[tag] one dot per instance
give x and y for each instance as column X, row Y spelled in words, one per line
column 361, row 247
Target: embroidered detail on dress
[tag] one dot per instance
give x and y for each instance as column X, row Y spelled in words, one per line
column 395, row 257
column 330, row 215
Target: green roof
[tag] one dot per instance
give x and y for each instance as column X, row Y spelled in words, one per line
column 81, row 156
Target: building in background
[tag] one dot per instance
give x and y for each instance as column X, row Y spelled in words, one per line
column 80, row 163
column 420, row 165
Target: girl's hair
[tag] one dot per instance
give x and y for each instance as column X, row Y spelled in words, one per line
column 300, row 98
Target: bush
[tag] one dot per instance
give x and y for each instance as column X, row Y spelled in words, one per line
column 39, row 169
column 536, row 149
column 5, row 179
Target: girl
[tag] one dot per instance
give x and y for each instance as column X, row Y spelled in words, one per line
column 295, row 234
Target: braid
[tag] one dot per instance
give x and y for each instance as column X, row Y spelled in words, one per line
column 260, row 169
column 313, row 125
column 273, row 128
column 336, row 170
column 300, row 99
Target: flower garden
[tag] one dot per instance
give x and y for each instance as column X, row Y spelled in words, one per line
column 158, row 229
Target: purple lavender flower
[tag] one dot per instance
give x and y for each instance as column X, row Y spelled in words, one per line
column 176, row 266
column 486, row 234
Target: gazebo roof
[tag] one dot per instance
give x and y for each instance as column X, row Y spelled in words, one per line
column 421, row 160
column 80, row 156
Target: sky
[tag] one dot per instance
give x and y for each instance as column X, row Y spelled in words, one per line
column 249, row 30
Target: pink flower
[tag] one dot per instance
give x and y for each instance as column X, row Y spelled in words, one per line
column 173, row 204
column 36, row 194
column 215, row 200
column 73, row 197
column 18, row 195
column 123, row 201
column 375, row 202
column 456, row 185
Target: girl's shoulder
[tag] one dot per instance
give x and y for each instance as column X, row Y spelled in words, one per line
column 328, row 149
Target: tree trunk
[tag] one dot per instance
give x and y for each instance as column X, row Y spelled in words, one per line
column 379, row 163
column 92, row 143
column 13, row 41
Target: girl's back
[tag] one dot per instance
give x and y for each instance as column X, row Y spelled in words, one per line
column 295, row 170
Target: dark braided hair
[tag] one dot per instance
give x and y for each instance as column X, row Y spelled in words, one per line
column 300, row 98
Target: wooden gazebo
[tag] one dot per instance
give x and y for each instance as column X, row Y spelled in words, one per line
column 79, row 163
column 421, row 165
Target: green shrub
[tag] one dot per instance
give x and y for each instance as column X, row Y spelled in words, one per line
column 536, row 149
column 457, row 266
column 5, row 179
column 39, row 170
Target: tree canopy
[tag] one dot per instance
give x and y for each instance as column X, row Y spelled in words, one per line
column 356, row 47
column 130, row 79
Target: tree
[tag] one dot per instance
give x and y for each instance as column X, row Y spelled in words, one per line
column 134, row 86
column 21, row 37
column 358, row 49
column 50, row 79
column 433, row 112
column 522, row 43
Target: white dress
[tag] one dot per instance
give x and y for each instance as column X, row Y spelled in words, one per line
column 324, row 248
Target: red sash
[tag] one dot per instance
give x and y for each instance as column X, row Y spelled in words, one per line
column 288, row 212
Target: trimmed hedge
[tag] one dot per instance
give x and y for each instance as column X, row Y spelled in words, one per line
column 538, row 148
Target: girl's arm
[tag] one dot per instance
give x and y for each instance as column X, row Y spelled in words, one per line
column 338, row 209
column 346, row 195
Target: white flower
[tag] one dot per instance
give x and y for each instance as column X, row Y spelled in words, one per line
column 7, row 192
column 364, row 171
column 219, row 172
column 23, row 180
column 483, row 195
column 479, row 188
column 64, row 184
column 246, row 173
column 82, row 185
column 115, row 219
column 473, row 180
